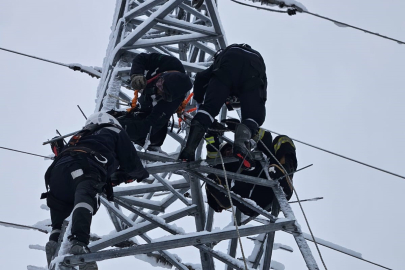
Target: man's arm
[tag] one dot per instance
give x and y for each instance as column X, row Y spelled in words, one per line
column 200, row 84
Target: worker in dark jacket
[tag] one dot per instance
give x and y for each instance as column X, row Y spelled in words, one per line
column 238, row 71
column 163, row 84
column 282, row 148
column 79, row 174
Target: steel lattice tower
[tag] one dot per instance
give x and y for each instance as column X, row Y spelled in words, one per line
column 176, row 28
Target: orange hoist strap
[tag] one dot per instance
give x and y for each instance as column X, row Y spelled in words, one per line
column 183, row 105
column 134, row 101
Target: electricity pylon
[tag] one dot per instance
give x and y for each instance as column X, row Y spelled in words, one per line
column 193, row 33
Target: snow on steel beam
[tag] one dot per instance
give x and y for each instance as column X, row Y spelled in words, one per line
column 149, row 204
column 144, row 43
column 177, row 241
column 214, row 15
column 141, row 9
column 237, row 176
column 196, row 13
column 204, row 47
column 114, row 214
column 142, row 189
column 206, row 30
column 168, row 256
column 288, row 213
column 138, row 229
column 144, row 27
column 172, row 189
column 233, row 244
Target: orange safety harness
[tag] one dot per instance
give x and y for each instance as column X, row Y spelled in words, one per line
column 180, row 110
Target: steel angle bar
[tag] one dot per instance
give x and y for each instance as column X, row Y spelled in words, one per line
column 297, row 233
column 176, row 137
column 196, row 195
column 234, row 241
column 145, row 27
column 210, row 219
column 141, row 9
column 225, row 258
column 216, row 22
column 177, row 242
column 162, row 27
column 142, row 189
column 113, row 213
column 166, row 254
column 147, row 197
column 139, row 228
column 60, row 238
column 199, row 164
column 196, row 13
column 168, row 201
column 234, row 196
column 149, row 204
column 170, row 188
column 153, row 157
column 236, row 176
column 270, row 239
column 165, row 50
column 204, row 47
column 145, row 43
column 149, row 217
column 259, row 253
column 206, row 30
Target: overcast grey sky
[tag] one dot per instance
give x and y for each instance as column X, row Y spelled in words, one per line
column 333, row 87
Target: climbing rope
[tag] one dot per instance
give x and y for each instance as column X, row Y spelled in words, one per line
column 299, row 202
column 230, row 201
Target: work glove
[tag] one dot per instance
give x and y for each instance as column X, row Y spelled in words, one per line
column 119, row 177
column 138, row 81
column 231, row 123
column 117, row 114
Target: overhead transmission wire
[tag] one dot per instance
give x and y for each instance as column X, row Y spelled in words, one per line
column 74, row 67
column 293, row 9
column 27, row 153
column 333, row 153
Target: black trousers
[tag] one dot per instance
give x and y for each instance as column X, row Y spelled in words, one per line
column 68, row 194
column 238, row 74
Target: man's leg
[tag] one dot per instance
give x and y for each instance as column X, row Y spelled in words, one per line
column 85, row 206
column 60, row 202
column 215, row 97
column 253, row 114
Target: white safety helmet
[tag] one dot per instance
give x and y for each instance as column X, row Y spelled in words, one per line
column 102, row 118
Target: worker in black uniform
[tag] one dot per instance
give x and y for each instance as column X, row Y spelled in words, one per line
column 238, row 71
column 79, row 173
column 282, row 148
column 163, row 84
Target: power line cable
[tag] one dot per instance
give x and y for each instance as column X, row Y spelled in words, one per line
column 35, row 57
column 293, row 9
column 330, row 152
column 25, row 152
column 76, row 67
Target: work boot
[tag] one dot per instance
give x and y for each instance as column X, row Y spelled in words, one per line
column 240, row 151
column 197, row 132
column 81, row 248
column 50, row 249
